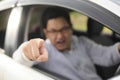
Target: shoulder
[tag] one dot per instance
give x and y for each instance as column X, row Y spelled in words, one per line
column 82, row 38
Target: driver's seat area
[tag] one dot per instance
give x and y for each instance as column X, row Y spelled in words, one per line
column 94, row 32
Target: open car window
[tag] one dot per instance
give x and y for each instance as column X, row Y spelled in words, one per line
column 79, row 23
column 83, row 26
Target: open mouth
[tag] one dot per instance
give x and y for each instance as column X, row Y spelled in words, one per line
column 61, row 43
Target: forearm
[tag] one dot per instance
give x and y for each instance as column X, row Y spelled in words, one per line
column 108, row 55
column 19, row 56
column 103, row 55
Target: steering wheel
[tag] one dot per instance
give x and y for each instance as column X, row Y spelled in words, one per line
column 117, row 71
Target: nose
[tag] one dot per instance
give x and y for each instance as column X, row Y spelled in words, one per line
column 59, row 35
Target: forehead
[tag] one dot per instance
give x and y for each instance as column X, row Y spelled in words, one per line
column 57, row 23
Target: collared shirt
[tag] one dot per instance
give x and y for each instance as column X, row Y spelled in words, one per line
column 77, row 63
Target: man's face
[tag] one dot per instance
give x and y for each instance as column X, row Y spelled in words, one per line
column 59, row 32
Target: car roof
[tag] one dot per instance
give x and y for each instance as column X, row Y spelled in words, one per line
column 102, row 3
column 6, row 4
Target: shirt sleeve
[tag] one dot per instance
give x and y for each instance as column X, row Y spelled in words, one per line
column 19, row 56
column 102, row 55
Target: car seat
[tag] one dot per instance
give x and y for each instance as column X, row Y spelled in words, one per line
column 94, row 32
column 36, row 32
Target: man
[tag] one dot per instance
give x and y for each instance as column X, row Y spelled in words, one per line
column 62, row 52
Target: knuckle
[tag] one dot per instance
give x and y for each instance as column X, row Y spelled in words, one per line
column 42, row 40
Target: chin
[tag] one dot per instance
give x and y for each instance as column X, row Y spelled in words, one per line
column 62, row 49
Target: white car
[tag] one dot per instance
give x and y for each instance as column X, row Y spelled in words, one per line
column 17, row 18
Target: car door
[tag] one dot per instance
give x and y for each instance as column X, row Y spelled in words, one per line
column 90, row 8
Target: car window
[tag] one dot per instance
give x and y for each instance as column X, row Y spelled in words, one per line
column 4, row 15
column 107, row 31
column 34, row 27
column 79, row 22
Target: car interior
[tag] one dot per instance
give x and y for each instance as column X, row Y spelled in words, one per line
column 93, row 31
column 4, row 15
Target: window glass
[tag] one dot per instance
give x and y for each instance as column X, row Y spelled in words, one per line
column 106, row 31
column 35, row 31
column 4, row 15
column 79, row 21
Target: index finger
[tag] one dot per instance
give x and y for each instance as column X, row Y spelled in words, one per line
column 43, row 55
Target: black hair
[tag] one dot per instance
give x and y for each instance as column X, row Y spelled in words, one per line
column 54, row 12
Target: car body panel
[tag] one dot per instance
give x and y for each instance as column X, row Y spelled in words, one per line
column 17, row 32
column 115, row 78
column 11, row 70
column 108, row 5
column 7, row 4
